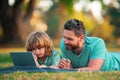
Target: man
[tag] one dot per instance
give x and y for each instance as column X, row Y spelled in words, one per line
column 85, row 53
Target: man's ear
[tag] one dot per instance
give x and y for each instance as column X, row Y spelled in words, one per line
column 81, row 38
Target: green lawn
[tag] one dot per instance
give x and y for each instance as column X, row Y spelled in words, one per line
column 61, row 76
column 5, row 61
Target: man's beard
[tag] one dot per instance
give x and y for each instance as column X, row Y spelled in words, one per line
column 72, row 47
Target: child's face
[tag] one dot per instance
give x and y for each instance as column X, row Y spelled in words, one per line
column 39, row 52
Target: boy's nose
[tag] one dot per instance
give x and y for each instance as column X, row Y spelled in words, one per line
column 37, row 51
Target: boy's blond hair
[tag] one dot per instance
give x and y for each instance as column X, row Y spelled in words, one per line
column 39, row 39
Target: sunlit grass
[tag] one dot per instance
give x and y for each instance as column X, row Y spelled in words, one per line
column 61, row 76
column 5, row 65
column 8, row 50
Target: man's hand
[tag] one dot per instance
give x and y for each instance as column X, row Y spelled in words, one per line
column 64, row 63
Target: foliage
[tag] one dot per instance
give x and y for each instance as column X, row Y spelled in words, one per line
column 114, row 13
column 69, row 4
column 52, row 19
column 104, row 31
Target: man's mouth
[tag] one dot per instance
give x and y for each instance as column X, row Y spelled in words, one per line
column 68, row 47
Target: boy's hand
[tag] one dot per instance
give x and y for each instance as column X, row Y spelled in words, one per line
column 36, row 62
column 35, row 57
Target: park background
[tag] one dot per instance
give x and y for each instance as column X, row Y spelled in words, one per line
column 20, row 17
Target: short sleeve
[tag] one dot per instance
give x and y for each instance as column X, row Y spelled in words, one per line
column 55, row 58
column 98, row 50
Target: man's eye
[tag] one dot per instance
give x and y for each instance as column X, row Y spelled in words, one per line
column 70, row 39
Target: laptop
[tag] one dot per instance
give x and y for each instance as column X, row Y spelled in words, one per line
column 22, row 58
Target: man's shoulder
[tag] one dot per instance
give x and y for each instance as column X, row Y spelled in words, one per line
column 93, row 40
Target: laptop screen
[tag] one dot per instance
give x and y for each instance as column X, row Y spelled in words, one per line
column 22, row 58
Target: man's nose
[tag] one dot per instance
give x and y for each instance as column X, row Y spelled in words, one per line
column 66, row 41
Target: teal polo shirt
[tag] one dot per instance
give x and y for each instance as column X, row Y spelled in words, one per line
column 94, row 48
column 52, row 60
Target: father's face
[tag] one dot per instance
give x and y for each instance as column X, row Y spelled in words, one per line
column 71, row 40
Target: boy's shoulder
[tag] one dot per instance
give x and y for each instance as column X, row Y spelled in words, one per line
column 54, row 52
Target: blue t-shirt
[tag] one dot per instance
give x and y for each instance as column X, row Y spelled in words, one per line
column 52, row 60
column 94, row 48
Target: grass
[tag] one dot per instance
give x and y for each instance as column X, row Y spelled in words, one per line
column 61, row 76
column 8, row 50
column 5, row 61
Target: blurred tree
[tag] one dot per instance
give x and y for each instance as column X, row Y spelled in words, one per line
column 104, row 31
column 114, row 13
column 65, row 7
column 52, row 18
column 15, row 19
column 56, row 16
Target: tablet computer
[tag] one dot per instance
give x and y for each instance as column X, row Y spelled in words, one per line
column 22, row 58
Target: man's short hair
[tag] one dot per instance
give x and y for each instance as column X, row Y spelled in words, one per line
column 76, row 25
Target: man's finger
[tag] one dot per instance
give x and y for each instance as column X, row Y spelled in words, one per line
column 62, row 63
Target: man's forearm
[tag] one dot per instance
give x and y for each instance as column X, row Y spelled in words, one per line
column 87, row 68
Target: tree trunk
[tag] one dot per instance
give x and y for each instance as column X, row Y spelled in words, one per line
column 7, row 22
column 14, row 24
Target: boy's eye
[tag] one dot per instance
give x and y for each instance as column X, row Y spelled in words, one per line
column 33, row 48
column 38, row 48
